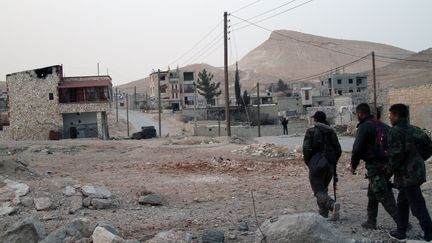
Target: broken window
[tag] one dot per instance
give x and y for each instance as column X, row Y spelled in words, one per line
column 350, row 80
column 339, row 81
column 351, row 91
column 358, row 81
column 51, row 96
column 339, row 92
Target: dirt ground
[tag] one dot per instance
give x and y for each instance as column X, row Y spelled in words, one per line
column 200, row 193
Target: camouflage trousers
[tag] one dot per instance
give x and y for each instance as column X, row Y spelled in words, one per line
column 379, row 191
column 320, row 184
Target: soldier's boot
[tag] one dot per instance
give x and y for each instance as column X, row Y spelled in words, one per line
column 370, row 223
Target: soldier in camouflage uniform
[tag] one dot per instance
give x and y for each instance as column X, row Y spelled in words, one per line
column 409, row 147
column 379, row 189
column 317, row 139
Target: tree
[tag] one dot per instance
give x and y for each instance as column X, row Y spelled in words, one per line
column 281, row 86
column 237, row 87
column 246, row 98
column 206, row 87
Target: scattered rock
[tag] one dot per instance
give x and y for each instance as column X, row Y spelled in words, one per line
column 28, row 231
column 103, row 235
column 87, row 201
column 6, row 209
column 42, row 203
column 152, row 199
column 77, row 230
column 99, row 203
column 213, row 236
column 12, row 190
column 76, row 203
column 172, row 236
column 96, row 191
column 243, row 227
column 304, row 227
column 69, row 191
column 267, row 150
column 27, row 202
column 232, row 237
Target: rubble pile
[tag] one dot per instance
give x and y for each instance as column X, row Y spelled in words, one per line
column 351, row 129
column 269, row 151
column 192, row 141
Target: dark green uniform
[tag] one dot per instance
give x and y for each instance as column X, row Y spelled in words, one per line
column 316, row 139
column 409, row 147
column 379, row 189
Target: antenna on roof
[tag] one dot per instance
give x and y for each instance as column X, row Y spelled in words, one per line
column 98, row 69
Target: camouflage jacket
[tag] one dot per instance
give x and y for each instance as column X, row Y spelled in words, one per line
column 314, row 143
column 406, row 161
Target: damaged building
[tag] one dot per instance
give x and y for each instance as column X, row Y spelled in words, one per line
column 43, row 104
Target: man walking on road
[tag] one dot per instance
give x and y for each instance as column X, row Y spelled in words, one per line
column 409, row 147
column 321, row 151
column 371, row 146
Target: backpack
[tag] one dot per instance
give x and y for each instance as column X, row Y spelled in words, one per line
column 379, row 147
column 419, row 141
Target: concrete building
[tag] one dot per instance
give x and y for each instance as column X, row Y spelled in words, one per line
column 343, row 83
column 176, row 87
column 42, row 102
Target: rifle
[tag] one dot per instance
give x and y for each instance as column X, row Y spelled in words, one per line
column 335, row 181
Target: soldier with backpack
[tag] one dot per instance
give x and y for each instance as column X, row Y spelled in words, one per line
column 409, row 147
column 371, row 146
column 321, row 151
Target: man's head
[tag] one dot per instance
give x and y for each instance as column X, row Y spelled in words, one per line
column 397, row 112
column 320, row 117
column 363, row 110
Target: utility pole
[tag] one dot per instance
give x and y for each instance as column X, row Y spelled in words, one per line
column 98, row 68
column 375, row 110
column 258, row 110
column 127, row 113
column 116, row 103
column 160, row 105
column 227, row 103
column 195, row 109
column 135, row 98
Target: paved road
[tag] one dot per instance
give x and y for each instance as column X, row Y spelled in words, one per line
column 139, row 119
column 346, row 142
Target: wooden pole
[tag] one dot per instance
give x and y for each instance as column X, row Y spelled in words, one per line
column 160, row 105
column 127, row 113
column 259, row 110
column 375, row 106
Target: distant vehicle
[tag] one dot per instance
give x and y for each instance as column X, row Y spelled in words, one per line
column 146, row 133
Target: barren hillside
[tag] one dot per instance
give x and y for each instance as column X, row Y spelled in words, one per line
column 406, row 73
column 292, row 55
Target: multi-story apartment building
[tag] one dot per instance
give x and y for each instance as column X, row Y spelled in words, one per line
column 344, row 83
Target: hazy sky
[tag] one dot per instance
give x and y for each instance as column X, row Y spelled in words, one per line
column 132, row 37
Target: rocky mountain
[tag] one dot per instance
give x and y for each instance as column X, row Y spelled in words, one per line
column 290, row 55
column 402, row 73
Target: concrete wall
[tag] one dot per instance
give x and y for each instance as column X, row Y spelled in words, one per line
column 419, row 100
column 294, row 127
column 32, row 113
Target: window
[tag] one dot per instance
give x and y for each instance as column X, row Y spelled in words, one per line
column 51, row 96
column 351, row 91
column 339, row 92
column 188, row 76
column 358, row 81
column 306, row 94
column 339, row 81
column 350, row 80
column 358, row 90
column 322, row 83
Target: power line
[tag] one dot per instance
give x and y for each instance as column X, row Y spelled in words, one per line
column 199, row 42
column 405, row 60
column 266, row 12
column 205, row 48
column 246, row 6
column 298, row 40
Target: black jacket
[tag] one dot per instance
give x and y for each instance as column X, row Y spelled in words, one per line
column 361, row 150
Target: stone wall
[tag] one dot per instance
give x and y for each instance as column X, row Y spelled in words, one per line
column 32, row 113
column 419, row 100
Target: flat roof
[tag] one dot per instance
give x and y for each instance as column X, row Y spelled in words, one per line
column 85, row 84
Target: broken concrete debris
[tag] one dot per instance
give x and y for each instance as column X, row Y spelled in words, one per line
column 269, row 151
column 97, row 197
column 173, row 236
column 213, row 236
column 10, row 194
column 69, row 191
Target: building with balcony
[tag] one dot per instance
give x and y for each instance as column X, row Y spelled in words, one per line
column 42, row 102
column 176, row 87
